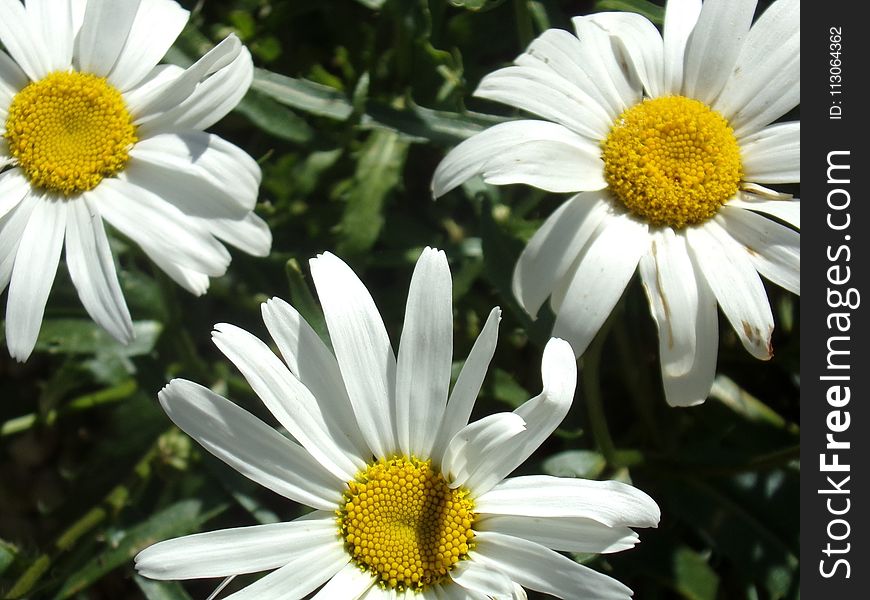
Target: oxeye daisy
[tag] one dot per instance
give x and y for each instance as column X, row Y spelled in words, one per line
column 409, row 499
column 667, row 138
column 92, row 128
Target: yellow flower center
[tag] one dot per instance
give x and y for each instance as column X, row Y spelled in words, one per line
column 402, row 522
column 672, row 161
column 68, row 131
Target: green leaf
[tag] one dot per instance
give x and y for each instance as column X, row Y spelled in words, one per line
column 424, row 124
column 651, row 11
column 303, row 95
column 575, row 463
column 378, row 172
column 160, row 590
column 476, row 5
column 694, row 578
column 8, row 552
column 372, row 4
column 81, row 336
column 271, row 117
column 303, row 300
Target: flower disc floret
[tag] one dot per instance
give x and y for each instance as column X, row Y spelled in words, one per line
column 672, row 161
column 403, row 523
column 69, row 131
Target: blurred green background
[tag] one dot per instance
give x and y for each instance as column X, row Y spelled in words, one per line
column 354, row 102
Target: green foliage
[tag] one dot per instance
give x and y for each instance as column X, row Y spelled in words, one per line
column 352, row 106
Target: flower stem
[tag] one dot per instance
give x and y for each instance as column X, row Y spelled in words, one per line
column 524, row 22
column 591, row 365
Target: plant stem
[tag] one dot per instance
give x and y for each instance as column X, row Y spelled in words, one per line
column 524, row 23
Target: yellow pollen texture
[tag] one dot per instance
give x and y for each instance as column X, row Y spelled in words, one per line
column 402, row 522
column 672, row 161
column 68, row 131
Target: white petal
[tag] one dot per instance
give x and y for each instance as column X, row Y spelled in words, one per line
column 713, row 47
column 766, row 82
column 537, row 153
column 548, row 95
column 694, row 385
column 348, row 584
column 362, row 348
column 464, row 394
column 314, row 365
column 541, row 569
column 484, row 580
column 610, row 503
column 248, row 445
column 212, row 99
column 641, row 45
column 773, row 155
column 235, row 551
column 290, row 401
column 23, row 43
column 774, row 250
column 475, row 450
column 736, row 284
column 567, row 534
column 54, row 18
column 172, row 93
column 150, row 221
column 13, row 188
column 224, row 179
column 787, row 210
column 299, row 577
column 33, row 274
column 12, row 80
column 92, row 270
column 158, row 77
column 192, row 280
column 605, row 267
column 103, row 34
column 600, row 61
column 250, row 233
column 668, row 278
column 542, row 414
column 11, row 229
column 425, row 354
column 157, row 24
column 680, row 19
column 554, row 247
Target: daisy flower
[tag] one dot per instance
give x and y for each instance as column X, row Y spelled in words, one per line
column 668, row 142
column 91, row 128
column 410, row 501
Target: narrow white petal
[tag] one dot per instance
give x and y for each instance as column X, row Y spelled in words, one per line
column 223, row 179
column 735, row 282
column 159, row 76
column 467, row 387
column 290, row 401
column 475, row 450
column 248, row 445
column 641, row 44
column 92, row 270
column 548, row 95
column 299, row 577
column 192, row 280
column 774, row 250
column 484, row 580
column 314, row 365
column 33, row 274
column 537, row 153
column 787, row 210
column 425, row 354
column 680, row 19
column 250, row 233
column 567, row 534
column 542, row 414
column 348, row 584
column 693, row 386
column 235, row 551
column 12, row 80
column 610, row 503
column 12, row 227
column 13, row 188
column 212, row 99
column 668, row 278
column 362, row 348
column 157, row 24
column 766, row 81
column 713, row 47
column 773, row 155
column 54, row 19
column 604, row 268
column 554, row 247
column 22, row 43
column 604, row 67
column 150, row 221
column 103, row 34
column 541, row 569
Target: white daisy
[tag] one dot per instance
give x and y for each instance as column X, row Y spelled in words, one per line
column 667, row 140
column 409, row 500
column 91, row 128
